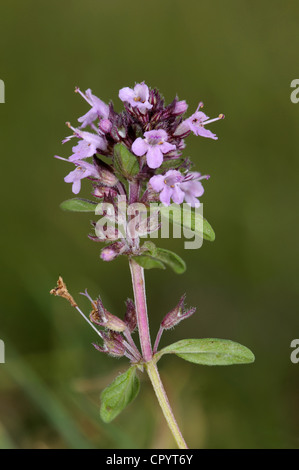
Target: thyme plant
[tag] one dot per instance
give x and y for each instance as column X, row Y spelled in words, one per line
column 134, row 163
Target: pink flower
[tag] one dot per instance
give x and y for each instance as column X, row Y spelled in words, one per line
column 196, row 124
column 83, row 170
column 154, row 145
column 99, row 109
column 88, row 146
column 137, row 97
column 173, row 185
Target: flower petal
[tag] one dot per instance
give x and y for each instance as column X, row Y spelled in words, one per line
column 126, row 94
column 88, row 118
column 141, row 90
column 139, row 147
column 167, row 147
column 154, row 157
column 206, row 133
column 166, row 195
column 193, row 187
column 76, row 186
column 71, row 177
column 191, row 200
column 82, row 150
column 157, row 182
column 177, row 195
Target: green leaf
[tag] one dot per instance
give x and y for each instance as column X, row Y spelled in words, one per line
column 78, row 205
column 148, row 262
column 126, row 163
column 167, row 164
column 168, row 257
column 193, row 222
column 210, row 352
column 119, row 394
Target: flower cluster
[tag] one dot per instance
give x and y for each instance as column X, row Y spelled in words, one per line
column 153, row 135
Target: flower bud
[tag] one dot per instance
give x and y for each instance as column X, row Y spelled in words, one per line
column 177, row 314
column 180, row 108
column 102, row 191
column 111, row 252
column 131, row 316
column 106, row 175
column 105, row 125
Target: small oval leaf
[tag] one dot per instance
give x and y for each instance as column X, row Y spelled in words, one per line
column 210, row 352
column 78, row 205
column 171, row 163
column 195, row 222
column 166, row 256
column 119, row 394
column 125, row 161
column 171, row 259
column 148, row 262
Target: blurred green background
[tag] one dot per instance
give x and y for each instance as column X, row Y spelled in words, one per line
column 239, row 57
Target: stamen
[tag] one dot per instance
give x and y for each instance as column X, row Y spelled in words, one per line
column 200, row 105
column 77, row 90
column 61, row 158
column 221, row 116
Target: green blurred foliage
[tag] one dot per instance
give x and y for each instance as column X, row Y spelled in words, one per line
column 239, row 57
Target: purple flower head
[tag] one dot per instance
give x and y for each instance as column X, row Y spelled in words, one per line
column 137, row 97
column 196, row 124
column 154, row 145
column 99, row 109
column 173, row 185
column 83, row 170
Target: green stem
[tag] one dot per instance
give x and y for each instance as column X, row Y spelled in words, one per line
column 138, row 282
column 164, row 403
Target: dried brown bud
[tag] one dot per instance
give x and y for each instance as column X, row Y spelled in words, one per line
column 61, row 291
